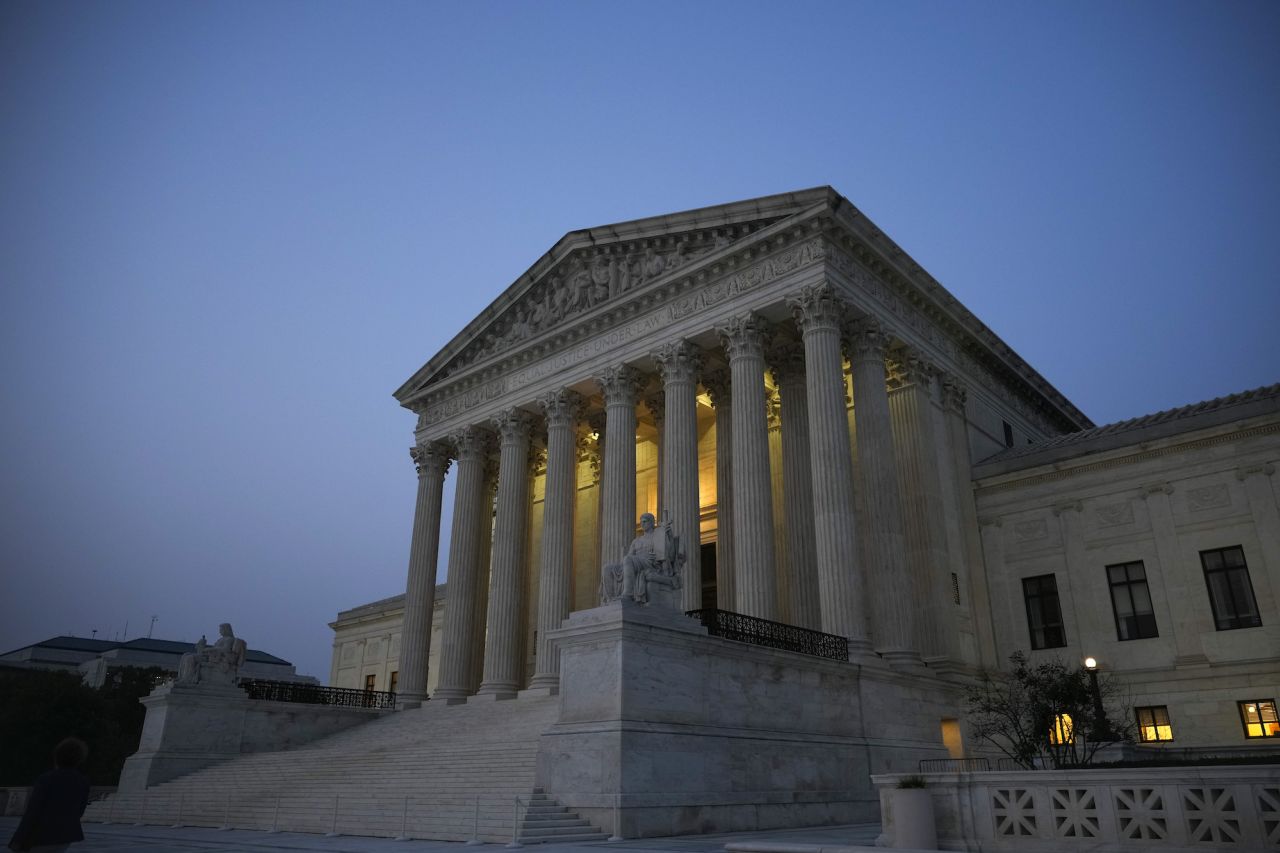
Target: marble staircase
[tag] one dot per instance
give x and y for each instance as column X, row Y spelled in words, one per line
column 445, row 772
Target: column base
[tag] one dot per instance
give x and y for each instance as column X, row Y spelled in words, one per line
column 450, row 695
column 903, row 659
column 494, row 693
column 543, row 684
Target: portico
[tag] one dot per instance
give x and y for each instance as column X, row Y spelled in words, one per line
column 793, row 361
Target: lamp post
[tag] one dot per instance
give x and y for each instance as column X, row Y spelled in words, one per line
column 1101, row 728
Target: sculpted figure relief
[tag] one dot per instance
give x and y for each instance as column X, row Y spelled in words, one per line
column 216, row 664
column 650, row 571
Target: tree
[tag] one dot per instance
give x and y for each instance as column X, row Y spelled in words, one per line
column 1047, row 713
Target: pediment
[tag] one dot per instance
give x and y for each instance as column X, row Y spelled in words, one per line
column 589, row 269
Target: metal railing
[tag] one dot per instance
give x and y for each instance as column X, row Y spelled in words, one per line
column 314, row 694
column 954, row 765
column 775, row 635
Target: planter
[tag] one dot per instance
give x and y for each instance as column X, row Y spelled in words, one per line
column 910, row 819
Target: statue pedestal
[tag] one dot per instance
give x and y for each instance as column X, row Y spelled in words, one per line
column 188, row 726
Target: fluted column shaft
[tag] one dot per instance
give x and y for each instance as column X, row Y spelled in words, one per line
column 924, row 522
column 797, row 486
column 620, row 386
column 457, row 642
column 556, row 573
column 841, row 584
column 657, row 406
column 432, row 461
column 679, row 364
column 502, row 664
column 894, row 610
column 484, row 570
column 718, row 387
column 744, row 340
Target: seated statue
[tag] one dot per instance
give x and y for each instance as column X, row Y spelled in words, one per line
column 216, row 664
column 651, row 569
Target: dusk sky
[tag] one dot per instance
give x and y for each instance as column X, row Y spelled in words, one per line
column 228, row 231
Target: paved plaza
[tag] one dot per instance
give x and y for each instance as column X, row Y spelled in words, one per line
column 116, row 838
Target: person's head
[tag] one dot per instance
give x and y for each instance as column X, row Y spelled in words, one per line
column 70, row 752
column 647, row 521
column 225, row 629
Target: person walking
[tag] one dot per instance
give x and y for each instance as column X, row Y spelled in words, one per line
column 51, row 822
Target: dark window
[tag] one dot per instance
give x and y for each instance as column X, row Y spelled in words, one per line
column 395, row 681
column 1259, row 718
column 1131, row 601
column 369, row 681
column 1008, row 434
column 1153, row 724
column 955, row 587
column 1230, row 593
column 1044, row 615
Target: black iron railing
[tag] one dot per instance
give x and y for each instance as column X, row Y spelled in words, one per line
column 953, row 765
column 314, row 694
column 775, row 635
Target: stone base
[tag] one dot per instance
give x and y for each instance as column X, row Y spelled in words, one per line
column 680, row 732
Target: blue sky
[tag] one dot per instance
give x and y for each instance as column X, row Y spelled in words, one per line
column 229, row 231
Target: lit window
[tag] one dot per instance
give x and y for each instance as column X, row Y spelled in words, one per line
column 1061, row 731
column 1131, row 601
column 1153, row 724
column 1044, row 615
column 1259, row 718
column 1230, row 592
column 395, row 681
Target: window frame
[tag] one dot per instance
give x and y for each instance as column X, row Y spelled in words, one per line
column 1155, row 723
column 1244, row 721
column 1045, row 626
column 1127, row 585
column 1234, row 622
column 370, row 682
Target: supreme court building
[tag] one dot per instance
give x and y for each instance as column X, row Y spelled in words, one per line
column 839, row 445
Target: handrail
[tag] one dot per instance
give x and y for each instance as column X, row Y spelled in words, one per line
column 314, row 694
column 775, row 635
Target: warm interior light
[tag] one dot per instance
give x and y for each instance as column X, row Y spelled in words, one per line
column 1061, row 732
column 1090, row 663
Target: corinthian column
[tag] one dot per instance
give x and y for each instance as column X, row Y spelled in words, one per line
column 718, row 386
column 657, row 406
column 893, row 606
column 818, row 313
column 432, row 461
column 556, row 575
column 502, row 664
column 744, row 340
column 924, row 516
column 465, row 546
column 797, row 485
column 620, row 385
column 679, row 364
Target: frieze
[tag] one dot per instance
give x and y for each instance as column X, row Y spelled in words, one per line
column 1115, row 514
column 1208, row 497
column 1030, row 531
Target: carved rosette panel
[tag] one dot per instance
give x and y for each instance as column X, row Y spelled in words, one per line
column 679, row 361
column 817, row 306
column 867, row 340
column 1208, row 497
column 745, row 336
column 513, row 425
column 620, row 385
column 786, row 361
column 561, row 407
column 1030, row 531
column 430, row 459
column 471, row 443
column 1115, row 514
column 718, row 385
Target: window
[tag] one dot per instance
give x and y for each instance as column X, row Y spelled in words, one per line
column 395, row 681
column 1131, row 602
column 369, row 681
column 1153, row 724
column 1259, row 718
column 1008, row 434
column 1230, row 593
column 1044, row 616
column 1062, row 731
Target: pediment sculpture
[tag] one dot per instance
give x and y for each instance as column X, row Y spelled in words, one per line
column 652, row 570
column 216, row 664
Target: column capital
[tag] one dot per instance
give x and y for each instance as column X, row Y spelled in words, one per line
column 679, row 361
column 1068, row 506
column 817, row 306
column 867, row 340
column 954, row 394
column 471, row 443
column 514, row 426
column 620, row 385
column 908, row 366
column 719, row 385
column 656, row 403
column 745, row 336
column 537, row 459
column 561, row 407
column 786, row 362
column 1263, row 469
column 1161, row 488
column 430, row 458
